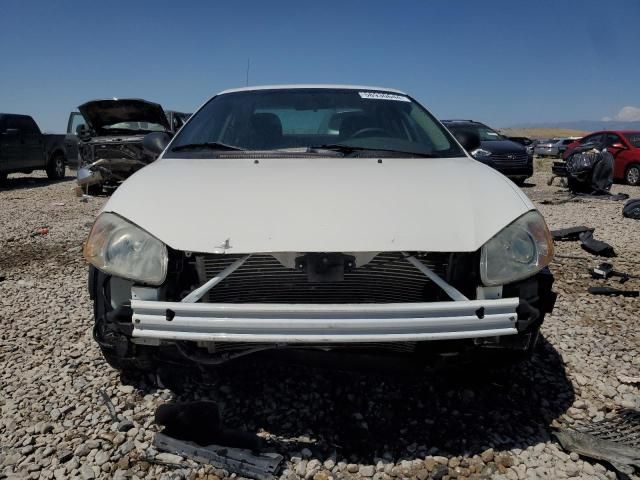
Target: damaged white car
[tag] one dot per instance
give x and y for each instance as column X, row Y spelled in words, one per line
column 315, row 217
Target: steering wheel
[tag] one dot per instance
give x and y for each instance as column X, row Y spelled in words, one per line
column 362, row 131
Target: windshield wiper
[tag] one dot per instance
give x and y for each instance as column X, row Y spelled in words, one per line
column 205, row 146
column 348, row 149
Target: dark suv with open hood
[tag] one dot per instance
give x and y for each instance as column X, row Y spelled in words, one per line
column 111, row 141
column 497, row 151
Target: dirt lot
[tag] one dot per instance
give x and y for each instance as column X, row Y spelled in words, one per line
column 328, row 424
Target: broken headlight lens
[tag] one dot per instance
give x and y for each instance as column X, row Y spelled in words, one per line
column 120, row 248
column 520, row 250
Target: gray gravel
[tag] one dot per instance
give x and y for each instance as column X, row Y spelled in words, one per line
column 449, row 423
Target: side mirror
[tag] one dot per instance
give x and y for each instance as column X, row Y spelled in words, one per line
column 618, row 146
column 11, row 132
column 156, row 142
column 469, row 140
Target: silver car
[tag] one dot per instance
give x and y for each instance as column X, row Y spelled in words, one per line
column 554, row 147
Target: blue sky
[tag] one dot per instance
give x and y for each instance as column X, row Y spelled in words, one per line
column 502, row 62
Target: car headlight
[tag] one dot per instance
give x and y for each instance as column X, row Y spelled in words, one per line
column 520, row 250
column 480, row 153
column 120, row 248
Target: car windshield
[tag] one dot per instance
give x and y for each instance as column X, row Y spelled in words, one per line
column 485, row 133
column 633, row 138
column 146, row 126
column 347, row 120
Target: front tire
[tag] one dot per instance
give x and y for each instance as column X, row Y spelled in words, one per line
column 56, row 167
column 632, row 175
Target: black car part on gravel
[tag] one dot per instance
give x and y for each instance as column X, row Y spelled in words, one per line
column 614, row 292
column 569, row 234
column 631, row 209
column 615, row 440
column 596, row 247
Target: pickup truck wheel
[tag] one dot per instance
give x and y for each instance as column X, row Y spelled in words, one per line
column 56, row 167
column 632, row 175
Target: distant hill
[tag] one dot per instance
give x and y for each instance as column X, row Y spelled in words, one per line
column 542, row 133
column 583, row 125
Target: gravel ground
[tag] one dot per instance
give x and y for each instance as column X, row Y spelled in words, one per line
column 448, row 423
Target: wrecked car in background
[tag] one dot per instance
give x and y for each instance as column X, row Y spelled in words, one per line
column 111, row 139
column 316, row 217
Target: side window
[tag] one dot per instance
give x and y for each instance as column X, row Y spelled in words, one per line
column 75, row 122
column 591, row 139
column 11, row 122
column 26, row 125
column 612, row 138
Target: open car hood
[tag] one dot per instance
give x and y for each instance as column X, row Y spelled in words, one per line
column 101, row 113
column 244, row 205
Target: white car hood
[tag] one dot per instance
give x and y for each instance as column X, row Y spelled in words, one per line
column 319, row 204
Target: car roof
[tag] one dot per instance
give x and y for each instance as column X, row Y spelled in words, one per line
column 311, row 86
column 456, row 120
column 619, row 132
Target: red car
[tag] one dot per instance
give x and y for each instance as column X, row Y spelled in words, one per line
column 624, row 145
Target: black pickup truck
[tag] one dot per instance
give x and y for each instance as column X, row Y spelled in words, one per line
column 24, row 148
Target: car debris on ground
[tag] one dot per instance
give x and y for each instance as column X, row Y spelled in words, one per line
column 613, row 291
column 615, row 441
column 605, row 270
column 234, row 460
column 631, row 209
column 596, row 247
column 587, row 242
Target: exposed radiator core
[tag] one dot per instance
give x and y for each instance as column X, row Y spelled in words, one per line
column 388, row 278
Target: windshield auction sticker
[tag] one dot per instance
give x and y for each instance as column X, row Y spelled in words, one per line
column 383, row 96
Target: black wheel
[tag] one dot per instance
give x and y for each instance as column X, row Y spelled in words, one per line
column 632, row 175
column 93, row 190
column 520, row 181
column 116, row 346
column 3, row 177
column 56, row 167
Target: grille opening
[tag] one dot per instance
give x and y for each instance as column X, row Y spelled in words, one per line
column 387, row 278
column 510, row 158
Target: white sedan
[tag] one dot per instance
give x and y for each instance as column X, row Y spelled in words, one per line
column 337, row 218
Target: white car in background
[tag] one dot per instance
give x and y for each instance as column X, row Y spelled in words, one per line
column 315, row 217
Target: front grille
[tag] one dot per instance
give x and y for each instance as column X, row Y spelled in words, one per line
column 388, row 278
column 510, row 158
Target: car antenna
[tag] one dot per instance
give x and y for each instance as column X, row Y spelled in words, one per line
column 248, row 65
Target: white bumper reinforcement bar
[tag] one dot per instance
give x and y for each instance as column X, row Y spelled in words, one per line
column 313, row 323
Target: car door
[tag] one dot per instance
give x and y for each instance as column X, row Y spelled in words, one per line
column 10, row 144
column 621, row 156
column 32, row 143
column 74, row 125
